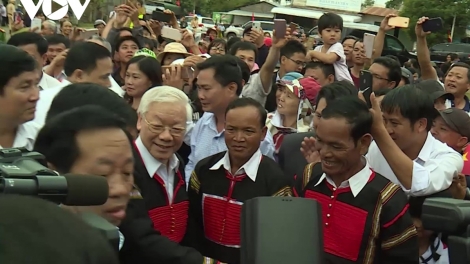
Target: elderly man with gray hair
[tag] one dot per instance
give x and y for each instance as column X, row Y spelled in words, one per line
column 49, row 27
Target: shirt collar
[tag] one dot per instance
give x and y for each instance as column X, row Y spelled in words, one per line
column 250, row 167
column 427, row 148
column 151, row 164
column 356, row 182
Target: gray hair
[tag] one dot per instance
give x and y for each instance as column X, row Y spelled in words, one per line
column 166, row 94
column 52, row 25
column 103, row 41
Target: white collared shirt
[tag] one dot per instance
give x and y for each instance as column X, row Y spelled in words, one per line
column 356, row 182
column 154, row 166
column 48, row 82
column 46, row 97
column 25, row 136
column 437, row 164
column 250, row 167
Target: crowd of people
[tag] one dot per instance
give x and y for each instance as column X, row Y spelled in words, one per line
column 185, row 135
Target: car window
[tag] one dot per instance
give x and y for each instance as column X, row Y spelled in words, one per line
column 207, row 21
column 443, row 47
column 393, row 43
column 247, row 24
column 462, row 48
column 267, row 26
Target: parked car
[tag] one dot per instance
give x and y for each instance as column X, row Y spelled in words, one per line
column 234, row 31
column 204, row 23
column 392, row 45
column 439, row 51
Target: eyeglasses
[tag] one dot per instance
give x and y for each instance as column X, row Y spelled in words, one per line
column 158, row 129
column 378, row 77
column 217, row 49
column 300, row 63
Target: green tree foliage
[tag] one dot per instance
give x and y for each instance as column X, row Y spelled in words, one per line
column 395, row 4
column 445, row 9
column 368, row 3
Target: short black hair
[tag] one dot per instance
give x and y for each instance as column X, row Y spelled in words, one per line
column 356, row 113
column 293, row 46
column 330, row 20
column 83, row 56
column 350, row 37
column 13, row 62
column 412, row 103
column 81, row 94
column 226, row 70
column 57, row 139
column 394, row 69
column 232, row 41
column 462, row 65
column 247, row 101
column 58, row 39
column 49, row 233
column 246, row 73
column 27, row 38
column 327, row 69
column 335, row 91
column 127, row 38
column 243, row 45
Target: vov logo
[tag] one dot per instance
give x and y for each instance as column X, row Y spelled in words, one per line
column 77, row 8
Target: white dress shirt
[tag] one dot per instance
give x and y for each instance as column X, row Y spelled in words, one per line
column 25, row 136
column 437, row 164
column 44, row 103
column 154, row 166
column 250, row 168
column 48, row 81
column 357, row 182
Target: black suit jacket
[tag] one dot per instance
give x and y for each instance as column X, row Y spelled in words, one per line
column 144, row 245
column 290, row 158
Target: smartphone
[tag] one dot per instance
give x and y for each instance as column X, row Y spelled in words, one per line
column 36, row 23
column 280, row 25
column 433, row 24
column 256, row 25
column 368, row 44
column 161, row 16
column 400, row 22
column 88, row 33
column 172, row 33
column 365, row 86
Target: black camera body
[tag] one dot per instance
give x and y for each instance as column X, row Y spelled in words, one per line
column 22, row 172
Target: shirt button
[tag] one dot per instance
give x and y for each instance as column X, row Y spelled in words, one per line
column 332, row 197
column 329, row 205
column 334, row 189
column 326, row 224
column 328, row 215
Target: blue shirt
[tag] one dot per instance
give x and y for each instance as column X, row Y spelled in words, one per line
column 207, row 141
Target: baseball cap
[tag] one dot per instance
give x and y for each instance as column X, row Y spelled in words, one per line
column 289, row 77
column 407, row 75
column 458, row 120
column 99, row 22
column 311, row 88
column 434, row 89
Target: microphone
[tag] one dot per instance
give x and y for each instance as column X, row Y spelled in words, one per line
column 70, row 189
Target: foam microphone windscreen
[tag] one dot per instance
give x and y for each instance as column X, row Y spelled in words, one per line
column 86, row 190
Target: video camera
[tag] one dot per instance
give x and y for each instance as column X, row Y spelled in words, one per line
column 450, row 217
column 22, row 172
